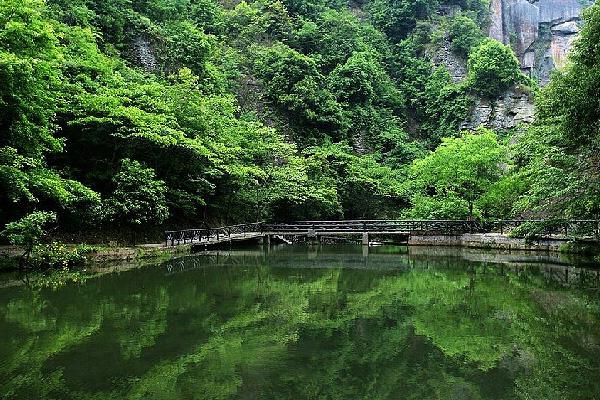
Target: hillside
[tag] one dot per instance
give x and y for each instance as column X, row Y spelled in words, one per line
column 141, row 113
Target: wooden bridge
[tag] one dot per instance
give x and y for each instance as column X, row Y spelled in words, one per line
column 400, row 228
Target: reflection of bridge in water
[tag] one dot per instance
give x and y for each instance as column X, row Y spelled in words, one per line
column 553, row 268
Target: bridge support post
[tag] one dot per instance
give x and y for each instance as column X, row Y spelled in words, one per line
column 365, row 239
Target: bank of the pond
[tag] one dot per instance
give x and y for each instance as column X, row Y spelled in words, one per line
column 100, row 255
column 145, row 251
column 504, row 242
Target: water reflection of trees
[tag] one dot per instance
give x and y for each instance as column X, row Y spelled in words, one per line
column 255, row 325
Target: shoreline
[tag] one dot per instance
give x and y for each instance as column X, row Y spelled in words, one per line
column 106, row 255
column 496, row 241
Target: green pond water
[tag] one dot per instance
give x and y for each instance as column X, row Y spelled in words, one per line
column 328, row 322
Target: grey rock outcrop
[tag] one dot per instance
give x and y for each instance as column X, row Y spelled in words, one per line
column 541, row 32
column 513, row 108
column 443, row 55
column 144, row 53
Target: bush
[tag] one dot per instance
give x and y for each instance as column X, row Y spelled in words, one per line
column 532, row 230
column 56, row 255
column 464, row 35
column 28, row 232
column 139, row 197
column 493, row 68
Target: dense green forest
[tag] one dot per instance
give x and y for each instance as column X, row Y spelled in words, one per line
column 121, row 113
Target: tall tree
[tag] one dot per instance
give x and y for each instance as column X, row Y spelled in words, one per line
column 449, row 181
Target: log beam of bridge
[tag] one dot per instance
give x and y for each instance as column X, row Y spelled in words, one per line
column 369, row 227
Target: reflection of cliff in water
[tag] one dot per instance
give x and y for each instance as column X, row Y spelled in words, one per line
column 551, row 267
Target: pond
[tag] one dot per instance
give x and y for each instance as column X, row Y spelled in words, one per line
column 323, row 322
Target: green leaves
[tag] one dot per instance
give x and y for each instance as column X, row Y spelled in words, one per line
column 29, row 230
column 398, row 17
column 464, row 34
column 459, row 170
column 138, row 197
column 493, row 68
column 293, row 81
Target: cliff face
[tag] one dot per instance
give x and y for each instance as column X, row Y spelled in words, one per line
column 541, row 32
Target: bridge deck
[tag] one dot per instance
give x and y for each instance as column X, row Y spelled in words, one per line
column 374, row 227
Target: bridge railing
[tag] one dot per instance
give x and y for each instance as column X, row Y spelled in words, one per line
column 442, row 227
column 352, row 226
column 545, row 227
column 206, row 234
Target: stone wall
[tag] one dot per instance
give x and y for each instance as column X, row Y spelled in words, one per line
column 143, row 53
column 487, row 240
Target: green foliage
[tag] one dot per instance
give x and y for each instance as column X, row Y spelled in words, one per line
column 493, row 68
column 29, row 60
column 334, row 36
column 187, row 46
column 29, row 230
column 396, row 18
column 365, row 188
column 449, row 181
column 464, row 34
column 55, row 256
column 28, row 234
column 447, row 105
column 501, row 197
column 298, row 88
column 241, row 108
column 138, row 197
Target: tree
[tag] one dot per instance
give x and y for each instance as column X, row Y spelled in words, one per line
column 464, row 34
column 30, row 95
column 138, row 198
column 365, row 188
column 30, row 76
column 334, row 36
column 186, row 46
column 458, row 172
column 446, row 106
column 28, row 232
column 298, row 88
column 493, row 68
column 396, row 18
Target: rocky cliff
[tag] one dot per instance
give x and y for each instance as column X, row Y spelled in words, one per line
column 541, row 32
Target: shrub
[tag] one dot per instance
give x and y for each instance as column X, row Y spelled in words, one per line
column 493, row 68
column 139, row 197
column 464, row 35
column 55, row 255
column 28, row 232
